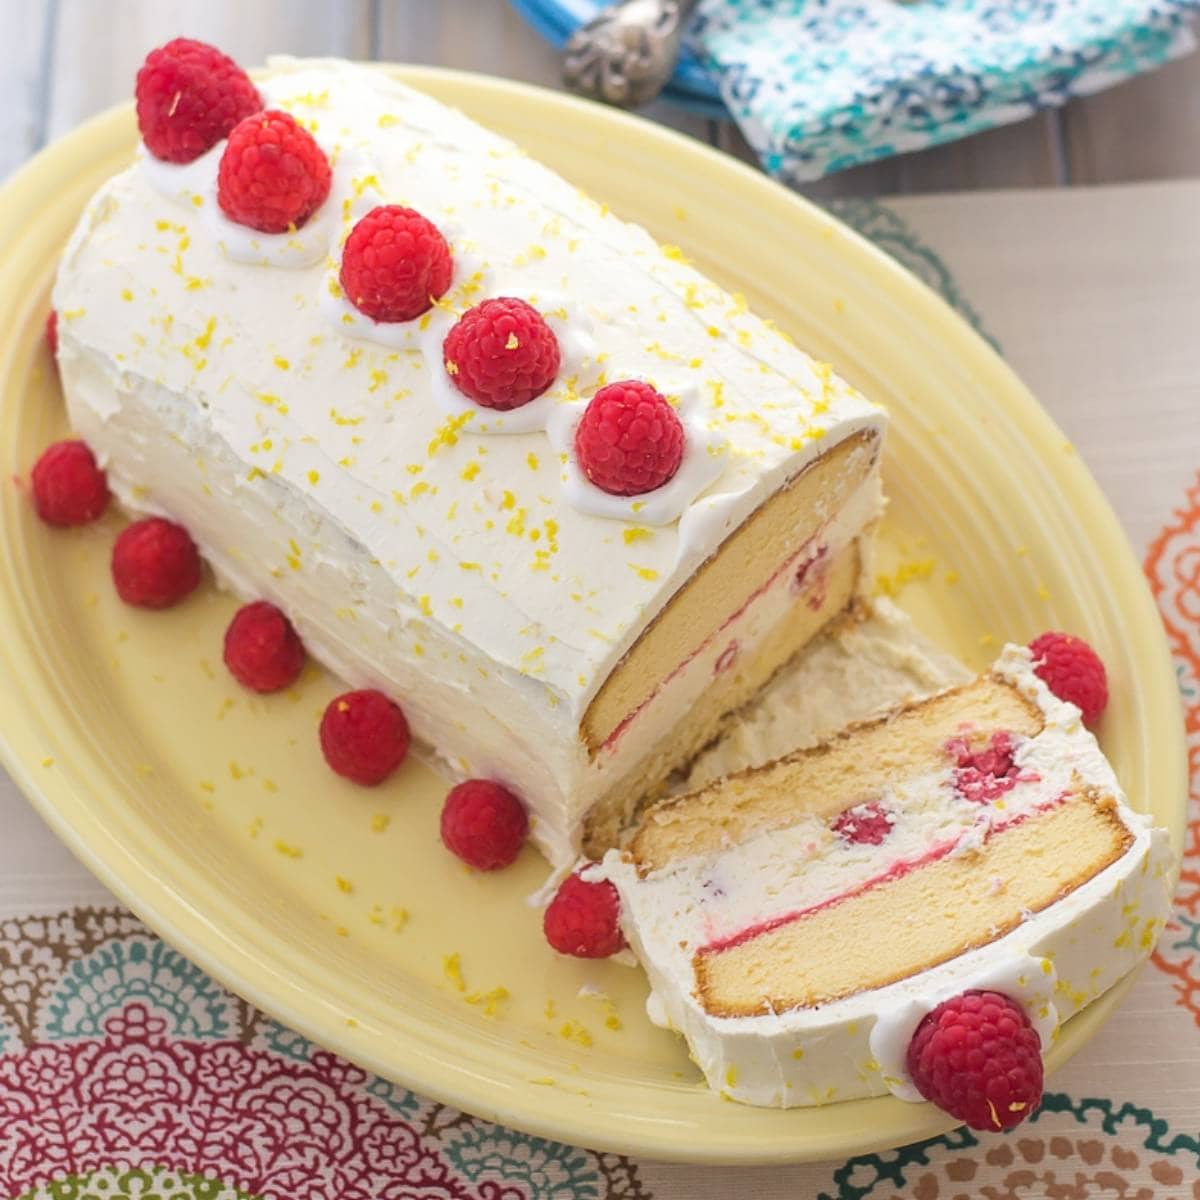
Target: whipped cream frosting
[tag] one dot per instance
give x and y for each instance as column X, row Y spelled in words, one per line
column 442, row 552
column 1054, row 963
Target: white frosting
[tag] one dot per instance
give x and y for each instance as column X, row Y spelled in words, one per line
column 331, row 473
column 1054, row 963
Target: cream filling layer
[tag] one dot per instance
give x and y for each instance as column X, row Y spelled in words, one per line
column 783, row 872
column 1054, row 963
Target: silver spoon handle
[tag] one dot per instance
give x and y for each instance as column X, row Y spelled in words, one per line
column 626, row 54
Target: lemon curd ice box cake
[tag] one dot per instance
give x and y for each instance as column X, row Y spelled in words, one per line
column 492, row 450
column 562, row 507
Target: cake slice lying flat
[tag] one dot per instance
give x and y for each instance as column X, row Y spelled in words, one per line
column 574, row 644
column 797, row 920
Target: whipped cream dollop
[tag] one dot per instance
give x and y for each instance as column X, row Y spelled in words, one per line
column 194, row 185
column 702, row 464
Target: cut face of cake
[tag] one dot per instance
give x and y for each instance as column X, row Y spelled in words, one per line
column 798, row 919
column 866, row 662
column 575, row 644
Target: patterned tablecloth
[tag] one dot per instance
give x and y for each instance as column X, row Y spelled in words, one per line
column 126, row 1072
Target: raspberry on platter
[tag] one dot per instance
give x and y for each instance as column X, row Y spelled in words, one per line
column 155, row 563
column 262, row 650
column 364, row 736
column 68, row 487
column 484, row 824
column 583, row 919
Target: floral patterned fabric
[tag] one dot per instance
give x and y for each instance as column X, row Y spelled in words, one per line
column 127, row 1074
column 820, row 85
column 126, row 1071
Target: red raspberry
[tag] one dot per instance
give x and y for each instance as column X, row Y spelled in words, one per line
column 582, row 919
column 273, row 176
column 978, row 1058
column 864, row 824
column 189, row 96
column 484, row 824
column 395, row 263
column 501, row 354
column 68, row 487
column 52, row 331
column 982, row 776
column 630, row 439
column 262, row 650
column 1072, row 670
column 155, row 564
column 364, row 736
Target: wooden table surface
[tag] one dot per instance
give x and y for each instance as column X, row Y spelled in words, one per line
column 63, row 60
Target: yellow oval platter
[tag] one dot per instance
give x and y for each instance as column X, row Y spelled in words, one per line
column 210, row 812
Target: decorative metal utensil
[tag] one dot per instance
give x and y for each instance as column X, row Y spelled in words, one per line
column 626, row 54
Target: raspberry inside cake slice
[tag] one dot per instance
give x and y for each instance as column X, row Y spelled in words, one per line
column 781, row 911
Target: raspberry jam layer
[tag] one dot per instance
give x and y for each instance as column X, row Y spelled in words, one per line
column 898, row 870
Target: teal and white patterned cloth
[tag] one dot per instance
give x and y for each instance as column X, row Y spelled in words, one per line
column 821, row 85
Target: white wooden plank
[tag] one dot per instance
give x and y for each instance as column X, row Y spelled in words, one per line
column 489, row 37
column 470, row 35
column 99, row 46
column 24, row 33
column 1143, row 129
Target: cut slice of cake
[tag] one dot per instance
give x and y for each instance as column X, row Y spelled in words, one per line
column 798, row 919
column 574, row 642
